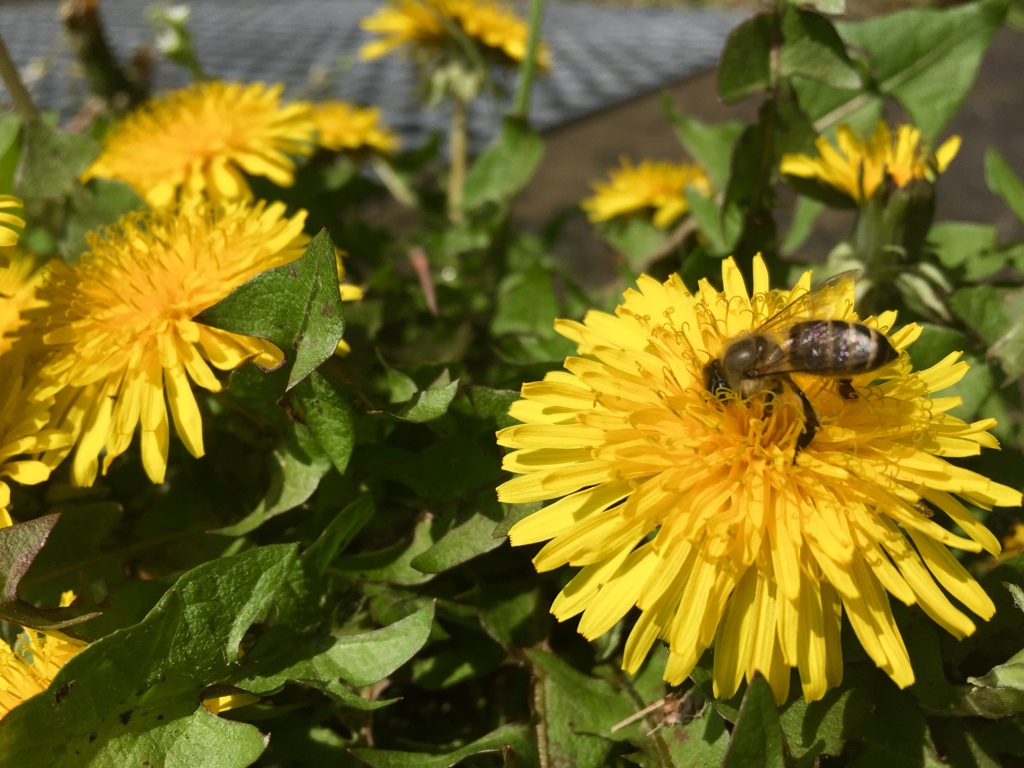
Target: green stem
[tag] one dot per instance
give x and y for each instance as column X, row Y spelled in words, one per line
column 528, row 69
column 19, row 93
column 459, row 151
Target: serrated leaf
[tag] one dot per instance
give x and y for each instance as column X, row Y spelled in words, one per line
column 812, row 48
column 1007, row 675
column 515, row 743
column 493, row 403
column 955, row 242
column 824, row 726
column 579, row 712
column 296, row 306
column 744, row 66
column 927, row 59
column 392, row 563
column 51, row 162
column 296, row 467
column 997, row 314
column 710, row 145
column 470, row 539
column 133, row 697
column 1002, row 181
column 429, row 404
column 19, row 545
column 505, row 167
column 329, row 417
column 757, row 738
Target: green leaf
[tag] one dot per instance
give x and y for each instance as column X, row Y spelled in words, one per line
column 720, row 231
column 997, row 315
column 133, row 697
column 493, row 403
column 51, row 162
column 329, row 417
column 99, row 203
column 744, row 67
column 362, row 660
column 19, row 545
column 337, row 535
column 1007, row 675
column 757, row 738
column 812, row 48
column 956, row 242
column 296, row 306
column 10, row 148
column 429, row 404
column 699, row 743
column 505, row 167
column 834, row 7
column 1002, row 181
column 578, row 712
column 296, row 467
column 391, row 564
column 515, row 743
column 634, row 237
column 802, row 225
column 927, row 59
column 710, row 145
column 526, row 303
column 824, row 726
column 472, row 538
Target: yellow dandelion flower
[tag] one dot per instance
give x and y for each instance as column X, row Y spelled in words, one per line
column 702, row 512
column 23, row 430
column 9, row 203
column 30, row 666
column 18, row 282
column 857, row 168
column 348, row 291
column 341, row 127
column 203, row 138
column 421, row 28
column 119, row 331
column 631, row 189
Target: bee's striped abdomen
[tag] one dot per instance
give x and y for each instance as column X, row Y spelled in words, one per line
column 837, row 348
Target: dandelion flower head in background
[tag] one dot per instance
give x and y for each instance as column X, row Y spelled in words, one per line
column 857, row 168
column 701, row 511
column 342, row 127
column 203, row 139
column 9, row 220
column 30, row 666
column 421, row 28
column 660, row 186
column 120, row 341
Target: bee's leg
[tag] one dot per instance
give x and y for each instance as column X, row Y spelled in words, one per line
column 811, row 422
column 846, row 390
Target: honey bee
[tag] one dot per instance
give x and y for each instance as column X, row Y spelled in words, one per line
column 790, row 342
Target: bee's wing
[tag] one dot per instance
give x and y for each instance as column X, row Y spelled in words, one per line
column 832, row 299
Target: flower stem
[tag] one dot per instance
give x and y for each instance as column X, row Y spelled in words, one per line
column 521, row 103
column 459, row 151
column 19, row 93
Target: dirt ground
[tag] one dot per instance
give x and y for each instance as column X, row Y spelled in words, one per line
column 583, row 151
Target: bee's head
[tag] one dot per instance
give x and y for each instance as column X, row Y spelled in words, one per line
column 741, row 358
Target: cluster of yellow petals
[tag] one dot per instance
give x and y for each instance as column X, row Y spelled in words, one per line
column 705, row 516
column 422, row 27
column 8, row 219
column 342, row 127
column 858, row 168
column 29, row 667
column 203, row 139
column 119, row 340
column 660, row 186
